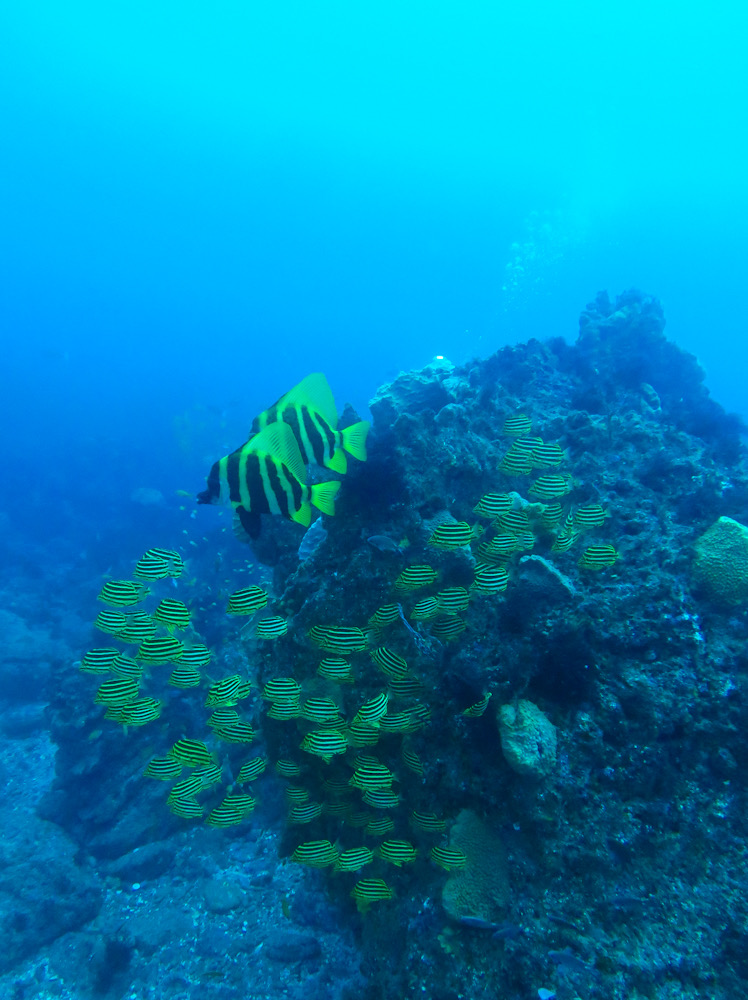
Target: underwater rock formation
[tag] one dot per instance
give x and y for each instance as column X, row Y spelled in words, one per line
column 720, row 567
column 528, row 739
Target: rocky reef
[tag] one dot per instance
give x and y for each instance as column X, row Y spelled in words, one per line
column 599, row 794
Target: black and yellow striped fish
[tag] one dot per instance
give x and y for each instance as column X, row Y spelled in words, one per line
column 381, row 798
column 324, row 743
column 187, row 808
column 384, row 616
column 415, row 577
column 272, row 627
column 354, row 859
column 341, row 639
column 380, row 826
column 287, row 768
column 139, row 627
column 427, row 822
column 372, row 711
column 160, row 649
column 397, row 852
column 163, row 768
column 309, row 411
column 98, row 661
column 598, row 557
column 151, row 567
column 453, row 599
column 551, row 486
column 235, row 732
column 371, row 774
column 126, row 666
column 493, row 504
column 304, row 813
column 451, row 535
column 516, row 425
column 141, row 711
column 196, row 656
column 282, row 689
column 316, row 854
column 224, row 693
column 110, row 621
column 209, row 775
column 547, row 456
column 282, row 711
column 320, row 710
column 448, row 627
column 337, row 669
column 223, row 815
column 448, row 858
column 172, row 613
column 117, row 691
column 489, row 579
column 122, row 593
column 389, row 663
column 192, row 753
column 476, row 711
column 184, row 677
column 590, row 516
column 267, row 475
column 370, row 890
column 251, row 770
column 424, row 609
column 247, row 600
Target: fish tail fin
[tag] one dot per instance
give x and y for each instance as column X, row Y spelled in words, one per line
column 338, row 462
column 323, row 496
column 354, row 439
column 304, row 514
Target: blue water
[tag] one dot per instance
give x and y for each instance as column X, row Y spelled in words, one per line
column 202, row 205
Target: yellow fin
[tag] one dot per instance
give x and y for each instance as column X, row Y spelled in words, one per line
column 338, row 462
column 304, row 514
column 323, row 496
column 315, row 392
column 354, row 439
column 277, row 440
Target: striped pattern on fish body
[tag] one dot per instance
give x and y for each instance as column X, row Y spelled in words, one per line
column 309, row 410
column 415, row 577
column 389, row 663
column 267, row 476
column 489, row 579
column 223, row 693
column 139, row 627
column 320, row 710
column 412, row 761
column 117, row 691
column 184, row 677
column 185, row 788
column 448, row 858
column 563, row 541
column 287, row 768
column 359, row 734
column 337, row 669
column 122, row 593
column 337, row 810
column 448, row 627
column 305, row 813
column 251, row 770
column 282, row 689
column 223, row 717
column 493, row 504
column 551, row 486
column 398, row 722
column 174, row 561
column 451, row 535
column 163, row 769
column 516, row 425
column 243, row 802
column 172, row 613
column 476, row 711
column 424, row 609
column 515, row 463
column 316, row 854
column 141, row 712
column 404, row 687
column 513, row 522
column 151, row 567
column 384, row 616
column 372, row 711
column 196, row 656
column 209, row 775
column 98, row 661
column 237, row 732
column 192, row 753
column 324, row 743
column 548, row 455
column 370, row 775
column 160, row 649
column 187, row 808
column 380, row 826
column 111, row 621
column 297, row 796
column 381, row 798
column 552, row 515
column 453, row 599
column 598, row 557
column 284, row 711
column 223, row 816
column 272, row 627
column 427, row 822
column 370, row 890
column 247, row 601
column 354, row 859
column 397, row 852
column 590, row 516
column 499, row 548
column 341, row 639
column 126, row 666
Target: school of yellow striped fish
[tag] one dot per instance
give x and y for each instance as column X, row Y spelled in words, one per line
column 353, row 770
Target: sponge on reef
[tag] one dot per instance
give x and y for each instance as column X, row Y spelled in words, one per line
column 720, row 568
column 528, row 738
column 481, row 888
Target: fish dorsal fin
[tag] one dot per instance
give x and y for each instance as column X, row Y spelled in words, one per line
column 277, row 440
column 314, row 392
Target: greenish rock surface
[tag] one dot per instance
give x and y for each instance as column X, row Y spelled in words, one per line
column 720, row 568
column 528, row 738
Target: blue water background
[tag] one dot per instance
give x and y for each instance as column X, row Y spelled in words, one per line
column 204, row 202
